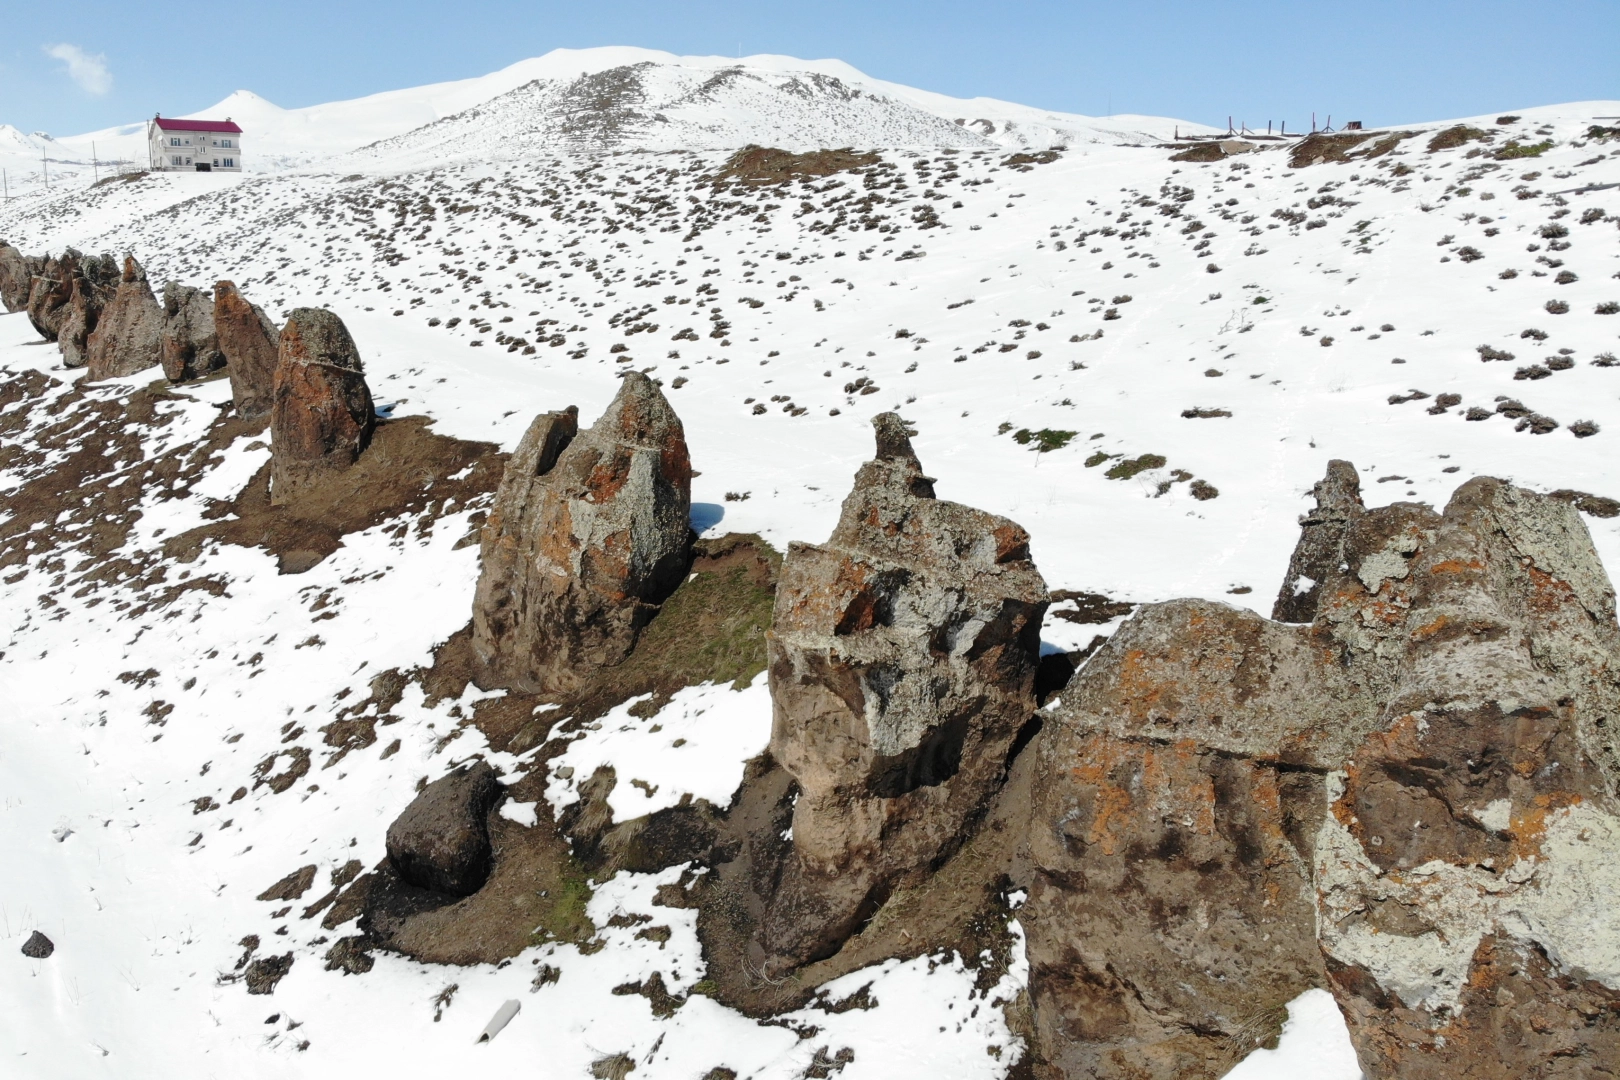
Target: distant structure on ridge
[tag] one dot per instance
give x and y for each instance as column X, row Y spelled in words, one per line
column 193, row 145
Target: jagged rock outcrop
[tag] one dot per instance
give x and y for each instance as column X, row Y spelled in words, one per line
column 1177, row 794
column 249, row 342
column 1411, row 799
column 190, row 345
column 441, row 840
column 16, row 276
column 322, row 416
column 589, row 533
column 92, row 287
column 1467, row 868
column 129, row 333
column 902, row 667
column 49, row 291
column 1321, row 543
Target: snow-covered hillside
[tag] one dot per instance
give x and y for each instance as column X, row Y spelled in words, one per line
column 1146, row 363
column 587, row 100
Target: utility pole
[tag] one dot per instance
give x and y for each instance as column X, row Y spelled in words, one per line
column 45, row 168
column 95, row 166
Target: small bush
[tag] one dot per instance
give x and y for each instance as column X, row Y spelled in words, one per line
column 1552, row 231
column 1534, row 334
column 1128, row 468
column 1607, row 359
column 1326, row 340
column 1533, row 372
column 1477, row 413
column 1507, row 119
column 1557, row 307
column 1508, row 275
column 1559, row 363
column 1514, row 150
column 1608, row 307
column 1594, row 214
column 1454, row 137
column 1487, row 352
column 1261, row 300
column 1097, row 459
column 1470, row 254
column 1204, row 491
column 1582, row 429
column 1045, row 440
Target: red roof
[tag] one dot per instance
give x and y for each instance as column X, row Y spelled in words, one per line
column 197, row 125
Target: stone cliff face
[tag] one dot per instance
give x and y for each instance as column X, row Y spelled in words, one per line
column 190, row 345
column 902, row 667
column 588, row 535
column 92, row 287
column 249, row 342
column 129, row 334
column 322, row 417
column 1410, row 800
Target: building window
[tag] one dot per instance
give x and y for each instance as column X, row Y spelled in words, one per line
column 174, row 142
column 225, row 143
column 230, row 163
column 177, row 161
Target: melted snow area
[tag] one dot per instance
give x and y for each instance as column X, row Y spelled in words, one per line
column 1094, row 305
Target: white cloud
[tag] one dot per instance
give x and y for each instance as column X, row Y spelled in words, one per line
column 90, row 72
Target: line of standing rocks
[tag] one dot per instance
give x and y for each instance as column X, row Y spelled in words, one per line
column 1405, row 787
column 306, row 375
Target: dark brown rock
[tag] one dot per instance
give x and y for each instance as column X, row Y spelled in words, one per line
column 38, row 946
column 322, row 417
column 589, row 533
column 16, row 276
column 129, row 333
column 249, row 342
column 293, row 886
column 263, row 974
column 1321, row 543
column 441, row 842
column 190, row 346
column 902, row 666
column 49, row 291
column 94, row 284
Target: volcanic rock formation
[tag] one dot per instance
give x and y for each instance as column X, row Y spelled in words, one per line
column 1412, row 800
column 190, row 346
column 129, row 334
column 1321, row 543
column 16, row 276
column 49, row 291
column 589, row 533
column 902, row 667
column 322, row 416
column 93, row 285
column 249, row 342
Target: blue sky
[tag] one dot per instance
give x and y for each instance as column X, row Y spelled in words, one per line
column 76, row 67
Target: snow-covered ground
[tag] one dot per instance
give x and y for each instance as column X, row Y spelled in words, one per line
column 770, row 315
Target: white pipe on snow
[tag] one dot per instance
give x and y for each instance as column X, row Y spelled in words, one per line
column 502, row 1017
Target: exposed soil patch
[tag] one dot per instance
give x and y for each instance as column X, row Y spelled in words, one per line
column 766, row 165
column 406, row 471
column 1342, row 146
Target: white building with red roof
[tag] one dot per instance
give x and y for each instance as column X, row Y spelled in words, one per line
column 194, row 145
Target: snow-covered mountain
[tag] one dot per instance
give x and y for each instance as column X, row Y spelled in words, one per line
column 1078, row 340
column 594, row 99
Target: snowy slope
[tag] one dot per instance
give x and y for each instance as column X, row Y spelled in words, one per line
column 992, row 321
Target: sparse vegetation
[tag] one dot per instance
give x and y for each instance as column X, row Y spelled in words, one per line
column 1128, row 468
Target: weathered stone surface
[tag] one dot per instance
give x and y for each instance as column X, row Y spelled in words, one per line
column 129, row 333
column 1321, row 543
column 1467, row 868
column 249, row 342
column 441, row 841
column 902, row 666
column 589, row 533
column 322, row 416
column 1177, row 792
column 38, row 946
column 49, row 291
column 16, row 276
column 190, row 346
column 1413, row 798
column 93, row 286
